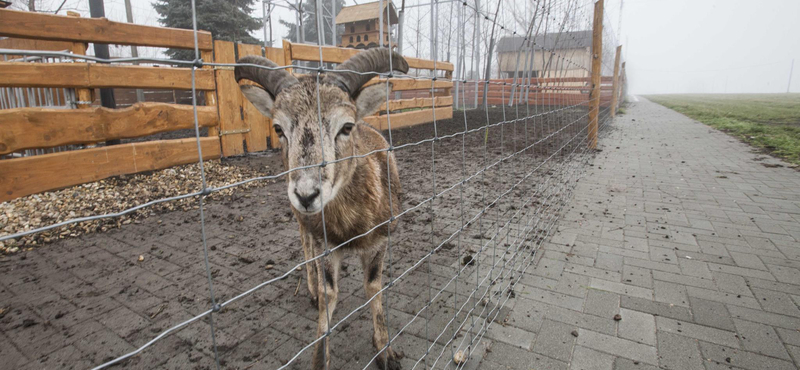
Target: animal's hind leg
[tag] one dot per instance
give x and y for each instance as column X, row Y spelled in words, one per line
column 372, row 262
column 328, row 292
column 311, row 268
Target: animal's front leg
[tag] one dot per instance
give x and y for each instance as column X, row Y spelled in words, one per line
column 311, row 268
column 328, row 292
column 372, row 262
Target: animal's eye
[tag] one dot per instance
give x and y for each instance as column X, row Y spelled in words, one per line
column 278, row 130
column 346, row 129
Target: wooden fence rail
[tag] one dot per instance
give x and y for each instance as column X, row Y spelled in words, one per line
column 65, row 28
column 93, row 75
column 29, row 128
column 543, row 91
column 31, row 175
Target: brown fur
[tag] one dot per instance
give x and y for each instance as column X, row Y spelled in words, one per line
column 368, row 185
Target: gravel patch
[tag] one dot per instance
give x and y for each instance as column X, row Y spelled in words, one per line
column 122, row 192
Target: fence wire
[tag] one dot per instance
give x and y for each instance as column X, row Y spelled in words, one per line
column 498, row 182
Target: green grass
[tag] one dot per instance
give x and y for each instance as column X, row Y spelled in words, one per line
column 767, row 121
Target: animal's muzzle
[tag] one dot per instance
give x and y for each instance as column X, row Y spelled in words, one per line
column 308, row 198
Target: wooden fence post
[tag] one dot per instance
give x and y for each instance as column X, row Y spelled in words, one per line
column 287, row 54
column 615, row 89
column 258, row 124
column 232, row 128
column 211, row 96
column 84, row 96
column 597, row 61
column 622, row 81
column 278, row 56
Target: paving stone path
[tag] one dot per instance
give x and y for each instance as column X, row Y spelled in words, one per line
column 686, row 234
column 680, row 250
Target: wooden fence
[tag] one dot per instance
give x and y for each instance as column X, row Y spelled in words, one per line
column 26, row 128
column 234, row 125
column 561, row 91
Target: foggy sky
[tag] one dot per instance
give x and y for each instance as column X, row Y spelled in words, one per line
column 670, row 46
column 711, row 46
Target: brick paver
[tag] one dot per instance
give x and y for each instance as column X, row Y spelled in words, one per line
column 685, row 234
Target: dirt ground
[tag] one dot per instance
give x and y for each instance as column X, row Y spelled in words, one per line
column 79, row 302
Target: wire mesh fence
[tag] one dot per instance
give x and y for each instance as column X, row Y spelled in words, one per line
column 443, row 260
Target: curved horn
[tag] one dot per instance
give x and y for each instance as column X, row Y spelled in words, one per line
column 272, row 80
column 373, row 60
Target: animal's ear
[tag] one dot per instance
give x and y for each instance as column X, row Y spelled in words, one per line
column 259, row 97
column 369, row 99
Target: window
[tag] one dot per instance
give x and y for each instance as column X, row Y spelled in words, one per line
column 352, row 29
column 366, row 37
column 368, row 26
column 351, row 38
column 358, row 38
column 387, row 38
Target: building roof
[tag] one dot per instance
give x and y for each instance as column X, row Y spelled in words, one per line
column 567, row 40
column 366, row 11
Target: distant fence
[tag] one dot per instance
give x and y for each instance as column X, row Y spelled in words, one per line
column 539, row 91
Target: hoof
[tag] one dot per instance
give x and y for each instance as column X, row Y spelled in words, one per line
column 314, row 302
column 389, row 360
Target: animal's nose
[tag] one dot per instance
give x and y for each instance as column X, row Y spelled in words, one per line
column 307, row 199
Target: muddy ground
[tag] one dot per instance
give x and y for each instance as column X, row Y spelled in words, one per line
column 79, row 302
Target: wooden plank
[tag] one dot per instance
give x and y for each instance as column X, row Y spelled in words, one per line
column 406, row 119
column 401, row 84
column 499, row 95
column 100, row 30
column 417, row 103
column 104, row 75
column 259, row 124
column 44, row 75
column 29, row 128
column 333, row 54
column 31, row 175
column 92, row 75
column 276, row 55
column 508, row 89
column 558, row 101
column 542, row 80
column 230, row 101
column 29, row 44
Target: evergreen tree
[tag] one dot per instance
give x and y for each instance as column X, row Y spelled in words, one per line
column 226, row 20
column 310, row 22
